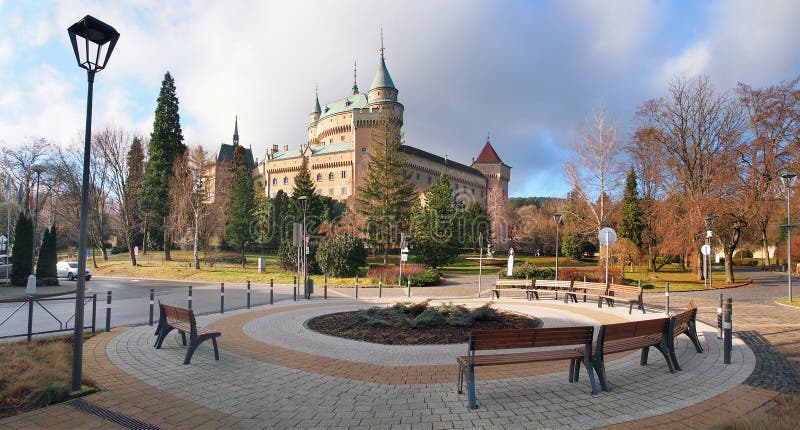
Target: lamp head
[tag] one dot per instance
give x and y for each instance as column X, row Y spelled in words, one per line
column 303, row 200
column 97, row 41
column 709, row 219
column 787, row 179
column 557, row 217
column 39, row 168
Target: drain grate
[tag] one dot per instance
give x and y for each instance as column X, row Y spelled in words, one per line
column 111, row 416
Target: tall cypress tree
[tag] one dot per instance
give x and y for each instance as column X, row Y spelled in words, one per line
column 632, row 224
column 46, row 264
column 304, row 186
column 434, row 225
column 23, row 250
column 166, row 143
column 130, row 212
column 386, row 197
column 241, row 204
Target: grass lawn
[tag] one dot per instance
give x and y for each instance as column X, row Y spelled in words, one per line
column 679, row 280
column 795, row 301
column 35, row 374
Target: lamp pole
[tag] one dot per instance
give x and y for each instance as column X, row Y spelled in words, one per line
column 38, row 169
column 787, row 180
column 304, row 205
column 96, row 36
column 557, row 218
column 709, row 219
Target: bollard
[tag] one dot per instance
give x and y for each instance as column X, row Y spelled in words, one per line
column 325, row 287
column 719, row 318
column 248, row 294
column 94, row 312
column 30, row 318
column 108, row 313
column 222, row 297
column 380, row 285
column 666, row 295
column 152, row 301
column 190, row 297
column 356, row 286
column 294, row 288
column 409, row 287
column 727, row 329
column 271, row 292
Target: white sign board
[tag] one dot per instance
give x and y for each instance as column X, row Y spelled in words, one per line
column 135, row 250
column 607, row 236
column 705, row 249
column 404, row 254
column 3, row 238
column 510, row 270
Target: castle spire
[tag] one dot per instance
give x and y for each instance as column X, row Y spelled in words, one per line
column 382, row 77
column 317, row 109
column 355, row 79
column 236, row 132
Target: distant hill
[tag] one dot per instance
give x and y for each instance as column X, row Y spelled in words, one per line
column 518, row 202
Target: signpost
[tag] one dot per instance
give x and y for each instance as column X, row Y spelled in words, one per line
column 480, row 262
column 403, row 258
column 607, row 237
column 3, row 242
column 706, row 251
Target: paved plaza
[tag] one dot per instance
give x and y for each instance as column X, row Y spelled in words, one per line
column 275, row 373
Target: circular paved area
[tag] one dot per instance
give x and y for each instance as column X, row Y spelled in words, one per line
column 274, row 373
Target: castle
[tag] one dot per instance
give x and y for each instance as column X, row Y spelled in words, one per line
column 339, row 146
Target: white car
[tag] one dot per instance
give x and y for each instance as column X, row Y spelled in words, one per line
column 69, row 270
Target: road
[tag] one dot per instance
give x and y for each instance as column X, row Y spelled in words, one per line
column 130, row 302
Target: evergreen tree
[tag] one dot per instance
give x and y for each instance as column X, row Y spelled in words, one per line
column 386, row 197
column 304, row 186
column 241, row 204
column 434, row 226
column 46, row 264
column 166, row 143
column 632, row 224
column 130, row 213
column 23, row 251
column 281, row 218
column 476, row 223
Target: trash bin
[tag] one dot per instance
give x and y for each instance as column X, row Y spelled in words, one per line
column 309, row 287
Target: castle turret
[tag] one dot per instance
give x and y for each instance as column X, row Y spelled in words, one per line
column 236, row 132
column 382, row 89
column 314, row 115
column 497, row 174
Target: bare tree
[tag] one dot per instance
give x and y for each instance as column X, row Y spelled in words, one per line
column 189, row 197
column 595, row 172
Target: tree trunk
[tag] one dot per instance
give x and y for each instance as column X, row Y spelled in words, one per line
column 196, row 241
column 132, row 254
column 167, row 255
column 729, row 264
column 144, row 237
column 94, row 259
column 105, row 253
column 765, row 260
column 245, row 261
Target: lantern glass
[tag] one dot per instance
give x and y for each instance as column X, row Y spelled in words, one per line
column 92, row 42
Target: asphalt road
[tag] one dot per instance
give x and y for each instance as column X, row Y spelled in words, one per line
column 130, row 302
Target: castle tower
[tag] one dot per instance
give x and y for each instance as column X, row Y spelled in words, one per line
column 314, row 115
column 236, row 132
column 497, row 174
column 382, row 89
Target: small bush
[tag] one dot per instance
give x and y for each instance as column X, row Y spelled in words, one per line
column 425, row 279
column 529, row 271
column 389, row 274
column 53, row 392
column 119, row 249
column 287, row 257
column 423, row 315
column 429, row 318
column 484, row 313
column 341, row 255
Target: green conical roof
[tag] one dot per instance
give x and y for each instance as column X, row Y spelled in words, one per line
column 317, row 109
column 382, row 78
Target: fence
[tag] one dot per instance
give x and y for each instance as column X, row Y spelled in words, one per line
column 50, row 306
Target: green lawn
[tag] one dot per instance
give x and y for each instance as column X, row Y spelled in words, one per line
column 679, row 280
column 795, row 301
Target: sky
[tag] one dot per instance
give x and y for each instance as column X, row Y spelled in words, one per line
column 525, row 73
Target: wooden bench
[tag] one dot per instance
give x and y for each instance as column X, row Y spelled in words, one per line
column 184, row 322
column 629, row 336
column 550, row 286
column 589, row 289
column 684, row 323
column 511, row 285
column 623, row 293
column 576, row 343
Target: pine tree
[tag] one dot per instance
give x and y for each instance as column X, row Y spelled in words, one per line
column 23, row 251
column 241, row 204
column 386, row 197
column 434, row 225
column 130, row 213
column 304, row 186
column 632, row 224
column 282, row 217
column 46, row 264
column 166, row 143
column 477, row 223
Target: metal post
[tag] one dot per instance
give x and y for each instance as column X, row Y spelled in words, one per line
column 35, row 222
column 558, row 221
column 325, row 287
column 666, row 296
column 380, row 285
column 356, row 286
column 608, row 246
column 189, row 299
column 727, row 329
column 152, row 300
column 719, row 318
column 271, row 292
column 222, row 297
column 30, row 318
column 94, row 311
column 789, row 240
column 248, row 294
column 108, row 312
column 294, row 289
column 480, row 268
column 409, row 287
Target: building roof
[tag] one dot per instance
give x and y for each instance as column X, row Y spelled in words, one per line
column 488, row 155
column 382, row 77
column 317, row 109
column 356, row 101
column 439, row 160
column 315, row 150
column 225, row 154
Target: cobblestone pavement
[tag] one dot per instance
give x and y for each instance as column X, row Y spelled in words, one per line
column 271, row 379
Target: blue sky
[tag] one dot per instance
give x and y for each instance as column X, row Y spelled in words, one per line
column 528, row 73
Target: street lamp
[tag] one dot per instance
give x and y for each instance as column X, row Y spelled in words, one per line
column 557, row 218
column 709, row 219
column 304, row 205
column 38, row 168
column 787, row 179
column 97, row 41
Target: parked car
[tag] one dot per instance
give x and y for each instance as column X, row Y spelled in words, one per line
column 69, row 270
column 5, row 266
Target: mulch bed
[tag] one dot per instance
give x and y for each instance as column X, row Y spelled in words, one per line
column 347, row 325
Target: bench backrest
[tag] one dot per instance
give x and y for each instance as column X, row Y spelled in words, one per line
column 514, row 282
column 680, row 322
column 551, row 283
column 625, row 289
column 481, row 340
column 631, row 329
column 591, row 285
column 175, row 314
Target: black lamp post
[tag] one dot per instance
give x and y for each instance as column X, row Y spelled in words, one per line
column 709, row 219
column 304, row 205
column 92, row 51
column 787, row 180
column 38, row 168
column 557, row 218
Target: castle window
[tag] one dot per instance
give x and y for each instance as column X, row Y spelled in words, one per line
column 330, row 191
column 481, row 193
column 473, row 191
column 344, row 174
column 344, row 191
column 330, row 176
column 274, row 181
column 363, row 149
column 429, row 180
column 285, row 180
column 330, row 140
column 418, row 176
column 342, row 138
column 319, row 177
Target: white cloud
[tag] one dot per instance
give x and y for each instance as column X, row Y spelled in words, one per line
column 693, row 61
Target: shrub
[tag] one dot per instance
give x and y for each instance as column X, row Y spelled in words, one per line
column 484, row 313
column 341, row 255
column 430, row 317
column 287, row 257
column 53, row 392
column 390, row 273
column 575, row 245
column 529, row 271
column 425, row 279
column 119, row 249
column 592, row 274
